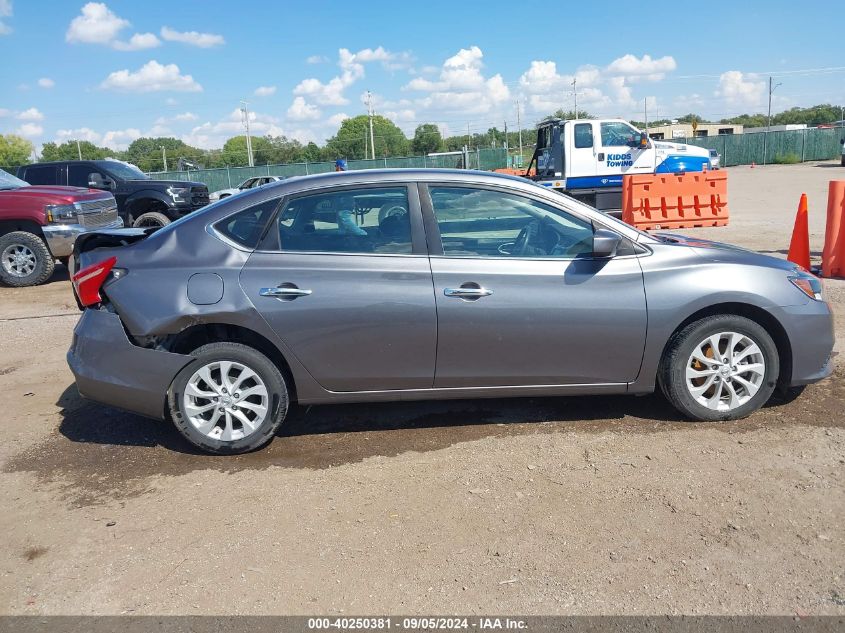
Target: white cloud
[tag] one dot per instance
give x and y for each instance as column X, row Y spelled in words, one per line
column 462, row 86
column 352, row 69
column 5, row 112
column 32, row 114
column 29, row 130
column 46, row 82
column 202, row 40
column 97, row 24
column 300, row 110
column 644, row 68
column 5, row 12
column 138, row 42
column 317, row 59
column 185, row 116
column 113, row 139
column 213, row 135
column 738, row 89
column 265, row 91
column 151, row 77
column 336, row 119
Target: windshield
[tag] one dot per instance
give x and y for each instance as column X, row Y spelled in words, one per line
column 8, row 181
column 124, row 171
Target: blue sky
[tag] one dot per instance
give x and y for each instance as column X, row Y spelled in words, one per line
column 112, row 71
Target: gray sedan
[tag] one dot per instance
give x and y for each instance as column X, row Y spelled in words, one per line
column 376, row 286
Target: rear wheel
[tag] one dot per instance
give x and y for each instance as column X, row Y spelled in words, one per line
column 25, row 259
column 719, row 368
column 230, row 399
column 151, row 219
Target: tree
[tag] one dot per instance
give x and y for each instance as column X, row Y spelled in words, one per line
column 235, row 151
column 146, row 152
column 285, row 150
column 70, row 151
column 568, row 115
column 353, row 138
column 312, row 153
column 427, row 139
column 14, row 151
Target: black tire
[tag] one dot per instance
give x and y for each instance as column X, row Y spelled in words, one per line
column 672, row 371
column 256, row 361
column 44, row 262
column 843, row 160
column 150, row 218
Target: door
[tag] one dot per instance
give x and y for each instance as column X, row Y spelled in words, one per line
column 582, row 155
column 520, row 300
column 348, row 289
column 620, row 151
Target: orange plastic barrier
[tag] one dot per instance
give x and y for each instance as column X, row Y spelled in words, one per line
column 675, row 201
column 833, row 256
column 514, row 172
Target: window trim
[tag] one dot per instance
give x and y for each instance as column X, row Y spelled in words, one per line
column 589, row 126
column 418, row 236
column 436, row 243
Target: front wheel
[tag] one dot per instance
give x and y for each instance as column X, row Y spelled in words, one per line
column 231, row 399
column 25, row 259
column 719, row 368
column 151, row 219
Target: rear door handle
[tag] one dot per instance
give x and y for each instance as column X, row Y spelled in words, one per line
column 468, row 292
column 285, row 291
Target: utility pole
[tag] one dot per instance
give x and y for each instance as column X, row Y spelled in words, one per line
column 768, row 120
column 370, row 115
column 164, row 156
column 469, row 139
column 78, row 149
column 506, row 137
column 575, row 93
column 519, row 128
column 645, row 114
column 245, row 112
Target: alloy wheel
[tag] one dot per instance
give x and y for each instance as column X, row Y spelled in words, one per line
column 225, row 400
column 725, row 371
column 18, row 260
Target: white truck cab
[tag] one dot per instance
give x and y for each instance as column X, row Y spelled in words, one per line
column 586, row 158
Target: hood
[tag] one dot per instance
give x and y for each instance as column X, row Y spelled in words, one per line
column 168, row 183
column 56, row 194
column 681, row 148
column 721, row 252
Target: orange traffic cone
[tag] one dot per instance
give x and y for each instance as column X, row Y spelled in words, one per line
column 833, row 256
column 799, row 247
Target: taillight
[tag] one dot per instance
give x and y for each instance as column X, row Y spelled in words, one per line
column 88, row 281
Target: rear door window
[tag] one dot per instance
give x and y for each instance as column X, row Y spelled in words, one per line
column 583, row 135
column 364, row 220
column 247, row 226
column 42, row 175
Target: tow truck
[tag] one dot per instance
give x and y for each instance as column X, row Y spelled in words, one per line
column 586, row 159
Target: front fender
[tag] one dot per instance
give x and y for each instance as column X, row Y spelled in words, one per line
column 150, row 194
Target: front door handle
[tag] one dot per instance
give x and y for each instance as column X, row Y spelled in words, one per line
column 285, row 292
column 468, row 291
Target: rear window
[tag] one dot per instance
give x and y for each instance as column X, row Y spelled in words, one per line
column 41, row 175
column 245, row 227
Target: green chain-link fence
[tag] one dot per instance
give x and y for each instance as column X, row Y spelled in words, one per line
column 227, row 177
column 792, row 146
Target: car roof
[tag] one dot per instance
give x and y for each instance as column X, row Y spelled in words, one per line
column 358, row 176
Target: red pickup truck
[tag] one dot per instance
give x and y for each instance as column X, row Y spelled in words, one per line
column 39, row 224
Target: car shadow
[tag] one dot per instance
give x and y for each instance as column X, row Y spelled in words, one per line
column 91, row 423
column 830, row 165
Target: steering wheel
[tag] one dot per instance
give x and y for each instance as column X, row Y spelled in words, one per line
column 528, row 238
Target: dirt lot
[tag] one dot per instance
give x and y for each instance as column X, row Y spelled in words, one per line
column 537, row 506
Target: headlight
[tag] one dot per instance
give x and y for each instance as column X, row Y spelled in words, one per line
column 807, row 283
column 179, row 194
column 62, row 213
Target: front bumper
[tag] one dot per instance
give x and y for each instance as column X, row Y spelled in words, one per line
column 60, row 237
column 108, row 368
column 811, row 336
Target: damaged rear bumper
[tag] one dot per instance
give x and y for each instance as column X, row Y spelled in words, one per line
column 109, row 369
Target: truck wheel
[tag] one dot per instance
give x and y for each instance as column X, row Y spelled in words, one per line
column 24, row 259
column 151, row 219
column 843, row 160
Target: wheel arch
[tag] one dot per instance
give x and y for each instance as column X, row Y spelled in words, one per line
column 145, row 201
column 198, row 335
column 754, row 313
column 29, row 226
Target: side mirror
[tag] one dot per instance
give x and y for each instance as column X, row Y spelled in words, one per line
column 96, row 181
column 605, row 243
column 643, row 140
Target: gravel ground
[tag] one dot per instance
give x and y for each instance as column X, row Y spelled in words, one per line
column 531, row 506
